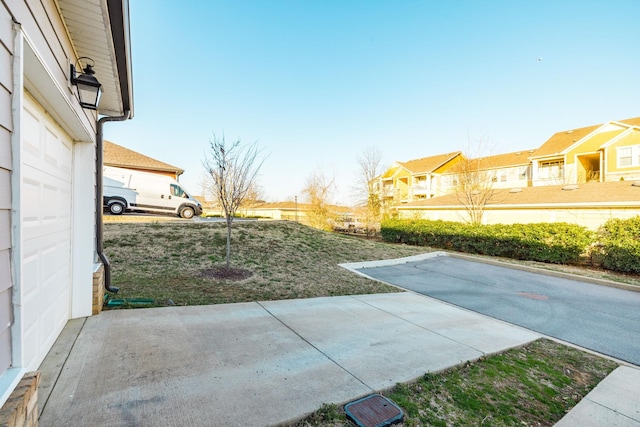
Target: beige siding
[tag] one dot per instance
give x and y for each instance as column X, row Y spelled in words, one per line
column 5, row 149
column 6, row 75
column 45, row 30
column 6, row 85
column 42, row 23
column 5, row 291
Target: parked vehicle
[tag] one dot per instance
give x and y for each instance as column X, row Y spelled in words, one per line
column 129, row 190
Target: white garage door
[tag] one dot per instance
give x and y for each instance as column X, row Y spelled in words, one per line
column 46, row 154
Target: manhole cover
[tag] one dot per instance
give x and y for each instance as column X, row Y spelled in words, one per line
column 533, row 296
column 373, row 411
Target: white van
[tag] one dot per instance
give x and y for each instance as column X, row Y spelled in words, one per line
column 130, row 190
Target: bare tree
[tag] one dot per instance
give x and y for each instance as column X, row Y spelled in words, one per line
column 317, row 192
column 233, row 169
column 255, row 195
column 367, row 188
column 474, row 188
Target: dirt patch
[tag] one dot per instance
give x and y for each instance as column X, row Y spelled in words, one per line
column 223, row 273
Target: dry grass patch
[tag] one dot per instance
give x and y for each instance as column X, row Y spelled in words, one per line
column 535, row 385
column 178, row 261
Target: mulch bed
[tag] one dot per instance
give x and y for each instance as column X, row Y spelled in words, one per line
column 223, row 273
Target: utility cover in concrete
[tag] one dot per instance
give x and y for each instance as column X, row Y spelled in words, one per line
column 374, row 411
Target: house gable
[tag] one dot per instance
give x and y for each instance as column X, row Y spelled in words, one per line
column 591, row 144
column 563, row 142
column 560, row 141
column 405, row 181
column 433, row 164
column 616, row 168
column 121, row 157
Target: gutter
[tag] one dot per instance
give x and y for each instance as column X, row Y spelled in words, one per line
column 119, row 19
column 99, row 197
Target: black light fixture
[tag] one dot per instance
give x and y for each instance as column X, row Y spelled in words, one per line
column 89, row 88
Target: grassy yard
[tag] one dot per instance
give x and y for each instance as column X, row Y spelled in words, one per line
column 176, row 263
column 530, row 386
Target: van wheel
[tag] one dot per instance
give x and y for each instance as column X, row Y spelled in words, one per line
column 187, row 213
column 116, row 208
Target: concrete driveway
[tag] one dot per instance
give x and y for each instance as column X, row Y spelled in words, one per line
column 254, row 364
column 267, row 363
column 601, row 318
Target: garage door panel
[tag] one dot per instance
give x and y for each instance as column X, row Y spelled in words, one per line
column 53, row 319
column 45, row 258
column 46, row 202
column 46, row 147
column 30, row 133
column 30, row 345
column 46, row 316
column 29, row 196
column 57, row 168
column 56, row 154
column 30, row 272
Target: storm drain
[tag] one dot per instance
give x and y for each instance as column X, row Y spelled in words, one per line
column 373, row 411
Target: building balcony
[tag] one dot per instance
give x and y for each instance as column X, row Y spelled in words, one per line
column 420, row 189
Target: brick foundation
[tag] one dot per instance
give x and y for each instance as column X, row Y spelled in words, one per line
column 21, row 410
column 98, row 290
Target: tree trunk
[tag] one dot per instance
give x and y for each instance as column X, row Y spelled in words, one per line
column 229, row 220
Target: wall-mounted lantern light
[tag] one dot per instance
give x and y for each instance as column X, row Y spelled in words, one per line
column 89, row 88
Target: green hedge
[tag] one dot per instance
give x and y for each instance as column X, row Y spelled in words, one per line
column 619, row 244
column 559, row 243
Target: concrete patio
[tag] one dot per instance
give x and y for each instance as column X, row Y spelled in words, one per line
column 254, row 364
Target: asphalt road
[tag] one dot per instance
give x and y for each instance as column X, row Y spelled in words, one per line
column 600, row 318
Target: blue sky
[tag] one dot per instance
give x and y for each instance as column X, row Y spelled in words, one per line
column 316, row 83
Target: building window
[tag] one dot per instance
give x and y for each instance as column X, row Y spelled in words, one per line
column 523, row 175
column 551, row 170
column 629, row 156
column 420, row 181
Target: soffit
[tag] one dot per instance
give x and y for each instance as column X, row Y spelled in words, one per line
column 94, row 35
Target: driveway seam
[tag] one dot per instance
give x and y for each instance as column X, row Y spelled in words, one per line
column 482, row 353
column 613, row 410
column 316, row 348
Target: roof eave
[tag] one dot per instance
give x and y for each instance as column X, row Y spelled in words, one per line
column 99, row 30
column 632, row 204
column 119, row 18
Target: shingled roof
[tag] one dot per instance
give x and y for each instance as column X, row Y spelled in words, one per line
column 612, row 193
column 429, row 164
column 506, row 160
column 118, row 156
column 560, row 141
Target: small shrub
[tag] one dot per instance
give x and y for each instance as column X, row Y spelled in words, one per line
column 619, row 243
column 559, row 243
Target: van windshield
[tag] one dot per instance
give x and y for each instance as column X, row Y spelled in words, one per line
column 177, row 191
